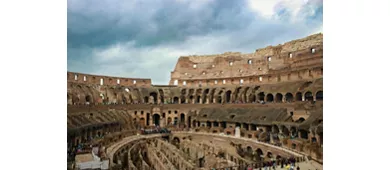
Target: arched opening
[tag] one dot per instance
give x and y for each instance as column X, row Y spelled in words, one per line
column 215, row 124
column 198, row 99
column 279, row 98
column 194, row 123
column 249, row 151
column 269, row 155
column 223, row 125
column 308, row 96
column 298, row 97
column 146, row 99
column 252, row 98
column 183, row 99
column 191, row 99
column 156, row 119
column 300, row 120
column 205, row 92
column 293, row 132
column 176, row 100
column 154, row 95
column 169, row 121
column 88, row 99
column 176, row 142
column 285, row 131
column 236, row 95
column 319, row 96
column 189, row 121
column 270, row 97
column 175, row 121
column 147, row 119
column 219, row 100
column 182, row 118
column 161, row 92
column 304, row 134
column 289, row 97
column 293, row 146
column 261, row 96
column 228, row 96
column 259, row 154
column 313, row 140
column 208, row 124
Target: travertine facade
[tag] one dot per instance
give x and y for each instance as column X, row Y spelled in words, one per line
column 225, row 110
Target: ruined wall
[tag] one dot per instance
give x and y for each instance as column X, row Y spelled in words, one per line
column 295, row 60
column 106, row 80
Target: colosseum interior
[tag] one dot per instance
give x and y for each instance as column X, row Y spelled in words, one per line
column 223, row 111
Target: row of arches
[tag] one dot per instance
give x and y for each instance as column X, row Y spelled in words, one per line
column 157, row 119
column 192, row 96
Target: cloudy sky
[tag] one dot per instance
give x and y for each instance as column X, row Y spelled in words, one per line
column 144, row 38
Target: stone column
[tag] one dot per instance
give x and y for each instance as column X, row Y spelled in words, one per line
column 214, row 100
column 207, row 100
column 187, row 100
column 200, row 101
column 179, row 100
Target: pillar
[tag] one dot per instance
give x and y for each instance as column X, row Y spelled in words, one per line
column 179, row 100
column 207, row 100
column 200, row 101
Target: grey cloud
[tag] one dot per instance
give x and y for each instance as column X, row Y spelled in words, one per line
column 144, row 39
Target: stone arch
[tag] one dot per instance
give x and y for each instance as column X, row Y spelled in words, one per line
column 161, row 93
column 88, row 98
column 147, row 119
column 155, row 98
column 75, row 99
column 212, row 95
column 156, row 119
column 259, row 154
column 237, row 96
column 182, row 118
column 319, row 96
column 275, row 129
column 300, row 120
column 269, row 154
column 278, row 98
column 289, row 97
column 183, row 96
column 176, row 100
column 270, row 97
column 228, row 96
column 176, row 142
column 309, row 96
column 246, row 95
column 285, row 131
column 205, row 93
column 146, row 99
column 194, row 123
column 198, row 99
column 261, row 96
column 252, row 98
column 293, row 131
column 298, row 97
column 304, row 134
